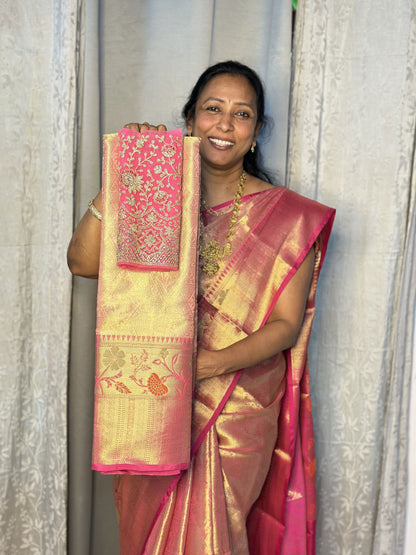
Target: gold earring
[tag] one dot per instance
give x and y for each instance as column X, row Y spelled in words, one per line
column 253, row 147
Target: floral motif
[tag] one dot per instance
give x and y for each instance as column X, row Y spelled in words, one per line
column 155, row 385
column 132, row 182
column 114, row 358
column 114, row 381
column 139, row 362
column 137, row 368
column 150, row 240
column 168, row 151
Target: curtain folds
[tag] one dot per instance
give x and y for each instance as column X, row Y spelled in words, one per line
column 39, row 48
column 352, row 136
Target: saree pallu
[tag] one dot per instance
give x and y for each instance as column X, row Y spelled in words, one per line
column 250, row 486
column 146, row 320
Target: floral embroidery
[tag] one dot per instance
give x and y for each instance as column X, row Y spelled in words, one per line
column 114, row 358
column 138, row 374
column 150, row 240
column 168, row 151
column 132, row 182
column 155, row 385
column 139, row 362
column 113, row 380
column 150, row 167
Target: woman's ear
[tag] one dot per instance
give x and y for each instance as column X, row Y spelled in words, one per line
column 189, row 127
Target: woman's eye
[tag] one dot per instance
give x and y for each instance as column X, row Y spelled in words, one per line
column 213, row 108
column 243, row 114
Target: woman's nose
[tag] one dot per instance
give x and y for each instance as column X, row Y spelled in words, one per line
column 225, row 123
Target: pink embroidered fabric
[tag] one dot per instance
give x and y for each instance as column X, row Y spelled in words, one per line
column 149, row 214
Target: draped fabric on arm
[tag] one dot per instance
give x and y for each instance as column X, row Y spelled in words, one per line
column 235, row 416
column 146, row 320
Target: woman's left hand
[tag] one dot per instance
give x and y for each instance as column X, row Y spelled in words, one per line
column 279, row 333
column 206, row 364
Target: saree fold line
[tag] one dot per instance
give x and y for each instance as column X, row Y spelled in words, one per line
column 250, row 486
column 145, row 340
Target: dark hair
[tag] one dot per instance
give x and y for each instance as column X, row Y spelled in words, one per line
column 252, row 160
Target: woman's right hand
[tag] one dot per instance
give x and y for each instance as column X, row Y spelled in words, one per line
column 140, row 127
column 84, row 249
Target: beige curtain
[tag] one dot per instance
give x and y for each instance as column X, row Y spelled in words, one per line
column 352, row 127
column 39, row 48
column 141, row 60
column 352, row 140
column 410, row 537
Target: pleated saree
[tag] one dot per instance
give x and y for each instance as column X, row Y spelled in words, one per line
column 249, row 487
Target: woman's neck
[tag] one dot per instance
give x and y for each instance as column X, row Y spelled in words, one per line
column 219, row 186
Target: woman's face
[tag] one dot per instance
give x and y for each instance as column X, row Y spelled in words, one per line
column 226, row 121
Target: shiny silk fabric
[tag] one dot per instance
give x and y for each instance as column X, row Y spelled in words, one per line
column 250, row 486
column 146, row 323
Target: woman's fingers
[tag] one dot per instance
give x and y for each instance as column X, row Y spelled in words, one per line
column 132, row 126
column 145, row 126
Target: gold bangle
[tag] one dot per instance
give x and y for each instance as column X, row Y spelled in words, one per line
column 94, row 211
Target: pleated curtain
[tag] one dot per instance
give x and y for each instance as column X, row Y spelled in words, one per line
column 39, row 53
column 352, row 145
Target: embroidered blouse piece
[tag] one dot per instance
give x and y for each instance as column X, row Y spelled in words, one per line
column 149, row 213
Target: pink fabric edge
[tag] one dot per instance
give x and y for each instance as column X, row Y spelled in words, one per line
column 144, row 267
column 215, row 414
column 156, row 470
column 325, row 221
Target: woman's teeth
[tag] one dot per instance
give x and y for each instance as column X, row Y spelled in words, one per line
column 219, row 142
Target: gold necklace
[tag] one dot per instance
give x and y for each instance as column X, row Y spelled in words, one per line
column 212, row 252
column 209, row 209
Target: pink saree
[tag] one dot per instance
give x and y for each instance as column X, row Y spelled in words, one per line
column 146, row 305
column 250, row 485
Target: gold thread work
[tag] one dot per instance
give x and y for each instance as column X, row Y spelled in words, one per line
column 211, row 253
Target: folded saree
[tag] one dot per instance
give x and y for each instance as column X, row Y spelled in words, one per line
column 250, row 487
column 146, row 303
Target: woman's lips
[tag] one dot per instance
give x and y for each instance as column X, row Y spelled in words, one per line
column 220, row 143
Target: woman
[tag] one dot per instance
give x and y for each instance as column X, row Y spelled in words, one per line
column 250, row 484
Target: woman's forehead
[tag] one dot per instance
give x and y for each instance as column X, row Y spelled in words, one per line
column 228, row 87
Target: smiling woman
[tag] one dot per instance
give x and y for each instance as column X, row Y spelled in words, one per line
column 225, row 118
column 261, row 252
